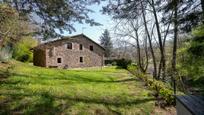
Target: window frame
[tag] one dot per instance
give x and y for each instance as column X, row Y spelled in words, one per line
column 81, row 59
column 80, row 47
column 91, row 48
column 69, row 45
column 51, row 52
column 59, row 61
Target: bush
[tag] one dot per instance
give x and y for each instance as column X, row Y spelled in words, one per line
column 22, row 50
column 114, row 63
column 123, row 63
column 163, row 90
column 167, row 96
column 109, row 62
column 133, row 68
column 160, row 87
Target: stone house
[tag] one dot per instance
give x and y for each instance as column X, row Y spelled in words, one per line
column 69, row 52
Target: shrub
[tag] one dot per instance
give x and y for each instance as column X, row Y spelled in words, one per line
column 108, row 62
column 22, row 50
column 114, row 63
column 132, row 68
column 167, row 96
column 163, row 91
column 160, row 87
column 123, row 63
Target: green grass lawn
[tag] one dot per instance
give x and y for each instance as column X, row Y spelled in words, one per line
column 25, row 89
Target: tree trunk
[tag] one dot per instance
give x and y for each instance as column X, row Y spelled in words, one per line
column 139, row 53
column 164, row 66
column 202, row 4
column 159, row 68
column 150, row 43
column 175, row 43
column 163, row 61
column 142, row 66
column 146, row 55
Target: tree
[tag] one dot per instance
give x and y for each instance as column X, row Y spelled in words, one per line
column 189, row 13
column 142, row 66
column 129, row 31
column 14, row 34
column 191, row 60
column 162, row 64
column 196, row 52
column 202, row 4
column 105, row 41
column 155, row 75
column 175, row 9
column 50, row 15
column 133, row 10
column 8, row 25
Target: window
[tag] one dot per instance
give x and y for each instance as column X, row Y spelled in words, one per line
column 91, row 48
column 59, row 60
column 81, row 59
column 80, row 46
column 51, row 52
column 69, row 45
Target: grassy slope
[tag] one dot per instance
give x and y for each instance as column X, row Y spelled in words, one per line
column 28, row 89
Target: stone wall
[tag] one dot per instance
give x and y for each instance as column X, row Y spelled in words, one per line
column 70, row 58
column 39, row 58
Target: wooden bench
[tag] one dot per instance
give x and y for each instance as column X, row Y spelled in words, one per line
column 190, row 105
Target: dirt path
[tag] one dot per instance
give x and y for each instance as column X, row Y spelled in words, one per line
column 166, row 111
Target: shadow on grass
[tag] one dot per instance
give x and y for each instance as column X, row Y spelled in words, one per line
column 118, row 67
column 77, row 78
column 4, row 74
column 45, row 105
column 116, row 103
column 104, row 101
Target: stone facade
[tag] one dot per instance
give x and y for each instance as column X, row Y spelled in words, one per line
column 58, row 54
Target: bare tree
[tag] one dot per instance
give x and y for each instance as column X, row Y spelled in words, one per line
column 130, row 32
column 140, row 62
column 150, row 42
column 163, row 61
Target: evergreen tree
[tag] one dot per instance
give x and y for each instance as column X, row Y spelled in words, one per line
column 105, row 41
column 50, row 15
column 189, row 13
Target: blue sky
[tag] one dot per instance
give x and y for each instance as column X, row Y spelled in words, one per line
column 94, row 32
